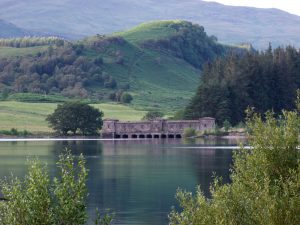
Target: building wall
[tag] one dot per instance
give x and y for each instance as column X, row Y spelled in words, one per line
column 111, row 128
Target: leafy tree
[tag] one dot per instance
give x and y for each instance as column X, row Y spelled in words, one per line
column 152, row 115
column 75, row 116
column 226, row 125
column 126, row 97
column 189, row 132
column 36, row 200
column 265, row 186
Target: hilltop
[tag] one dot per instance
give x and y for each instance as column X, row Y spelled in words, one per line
column 9, row 30
column 161, row 70
column 77, row 19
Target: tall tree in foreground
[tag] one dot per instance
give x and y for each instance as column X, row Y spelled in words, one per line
column 36, row 200
column 265, row 188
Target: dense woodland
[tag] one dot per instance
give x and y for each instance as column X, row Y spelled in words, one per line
column 265, row 80
column 61, row 69
column 189, row 42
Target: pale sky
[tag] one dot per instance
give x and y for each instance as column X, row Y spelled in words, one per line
column 291, row 6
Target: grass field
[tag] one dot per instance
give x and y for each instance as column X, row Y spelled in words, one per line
column 31, row 116
column 11, row 52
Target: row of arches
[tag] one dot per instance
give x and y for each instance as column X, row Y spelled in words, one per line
column 148, row 136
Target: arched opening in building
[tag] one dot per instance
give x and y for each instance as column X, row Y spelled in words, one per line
column 163, row 136
column 149, row 136
column 156, row 135
column 178, row 135
column 125, row 136
column 141, row 136
column 117, row 136
column 134, row 136
column 171, row 136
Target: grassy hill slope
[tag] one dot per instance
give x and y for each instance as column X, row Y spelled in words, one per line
column 13, row 52
column 158, row 64
column 155, row 30
column 76, row 19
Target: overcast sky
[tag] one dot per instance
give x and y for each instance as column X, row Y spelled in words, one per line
column 291, row 6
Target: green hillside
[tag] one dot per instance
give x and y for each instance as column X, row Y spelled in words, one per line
column 13, row 52
column 155, row 30
column 157, row 63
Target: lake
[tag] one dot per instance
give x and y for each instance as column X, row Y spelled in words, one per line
column 137, row 179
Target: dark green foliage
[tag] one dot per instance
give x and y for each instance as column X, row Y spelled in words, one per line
column 98, row 61
column 59, row 69
column 226, row 125
column 74, row 117
column 189, row 132
column 179, row 115
column 105, row 219
column 26, row 42
column 33, row 97
column 189, row 42
column 4, row 94
column 15, row 132
column 266, row 80
column 265, row 180
column 37, row 200
column 110, row 83
column 126, row 97
column 152, row 115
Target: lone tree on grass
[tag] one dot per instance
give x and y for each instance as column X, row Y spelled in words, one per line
column 74, row 117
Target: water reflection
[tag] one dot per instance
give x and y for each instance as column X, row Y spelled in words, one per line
column 137, row 179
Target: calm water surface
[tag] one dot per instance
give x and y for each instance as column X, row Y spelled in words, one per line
column 136, row 179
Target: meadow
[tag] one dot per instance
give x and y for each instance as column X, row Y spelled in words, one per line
column 8, row 52
column 31, row 116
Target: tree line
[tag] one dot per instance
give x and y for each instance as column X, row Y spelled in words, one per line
column 25, row 42
column 62, row 68
column 264, row 80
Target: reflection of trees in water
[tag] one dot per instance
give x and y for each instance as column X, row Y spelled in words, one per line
column 87, row 148
column 136, row 178
column 139, row 177
column 206, row 162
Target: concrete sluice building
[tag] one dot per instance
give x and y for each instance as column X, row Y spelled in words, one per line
column 154, row 129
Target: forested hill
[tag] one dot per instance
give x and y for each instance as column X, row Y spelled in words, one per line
column 266, row 81
column 158, row 64
column 78, row 18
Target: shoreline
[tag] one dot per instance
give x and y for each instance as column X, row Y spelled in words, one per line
column 96, row 138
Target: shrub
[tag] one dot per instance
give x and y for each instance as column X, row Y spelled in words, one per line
column 36, row 200
column 15, row 132
column 226, row 125
column 152, row 115
column 126, row 97
column 189, row 132
column 265, row 180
